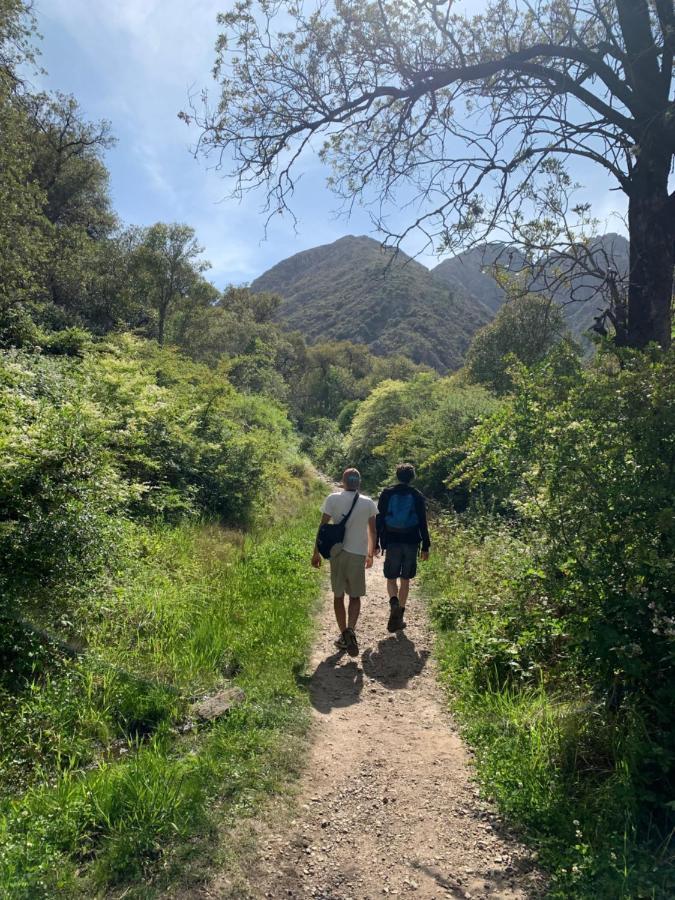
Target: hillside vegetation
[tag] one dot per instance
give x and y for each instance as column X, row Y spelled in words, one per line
column 355, row 291
column 576, row 280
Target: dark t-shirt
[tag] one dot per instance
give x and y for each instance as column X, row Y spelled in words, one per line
column 416, row 535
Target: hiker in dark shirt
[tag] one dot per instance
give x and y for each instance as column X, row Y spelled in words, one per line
column 401, row 528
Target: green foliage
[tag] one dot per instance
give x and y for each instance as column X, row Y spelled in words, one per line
column 561, row 646
column 424, row 421
column 97, row 788
column 391, row 402
column 433, row 438
column 594, row 475
column 326, row 445
column 124, row 429
column 23, row 230
column 60, row 490
column 168, row 268
column 557, row 759
column 524, row 330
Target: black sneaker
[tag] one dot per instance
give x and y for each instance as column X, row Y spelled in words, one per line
column 393, row 615
column 350, row 642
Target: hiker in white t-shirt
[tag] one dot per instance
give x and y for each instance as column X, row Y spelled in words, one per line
column 349, row 559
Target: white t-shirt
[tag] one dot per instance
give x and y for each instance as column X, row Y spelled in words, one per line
column 356, row 530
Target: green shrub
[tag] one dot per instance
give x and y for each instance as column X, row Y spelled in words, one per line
column 60, row 487
column 389, row 404
column 559, row 761
column 588, row 466
column 524, row 330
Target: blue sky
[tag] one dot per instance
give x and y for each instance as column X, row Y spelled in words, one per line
column 135, row 63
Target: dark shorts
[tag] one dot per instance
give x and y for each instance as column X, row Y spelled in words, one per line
column 400, row 561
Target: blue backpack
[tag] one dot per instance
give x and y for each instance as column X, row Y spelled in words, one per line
column 401, row 514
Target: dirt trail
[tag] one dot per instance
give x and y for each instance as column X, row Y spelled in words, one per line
column 386, row 805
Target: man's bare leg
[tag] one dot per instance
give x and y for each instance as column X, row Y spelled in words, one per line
column 392, row 587
column 354, row 610
column 403, row 592
column 340, row 614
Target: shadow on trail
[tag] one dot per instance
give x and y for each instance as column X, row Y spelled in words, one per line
column 394, row 661
column 333, row 686
column 499, row 880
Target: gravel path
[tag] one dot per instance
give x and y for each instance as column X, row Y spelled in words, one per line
column 386, row 807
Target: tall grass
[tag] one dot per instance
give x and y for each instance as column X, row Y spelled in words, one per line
column 98, row 785
column 559, row 764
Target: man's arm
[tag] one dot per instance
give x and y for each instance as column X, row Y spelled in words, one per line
column 372, row 541
column 379, row 522
column 316, row 556
column 424, row 528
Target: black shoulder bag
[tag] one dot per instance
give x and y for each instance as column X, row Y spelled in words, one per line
column 330, row 534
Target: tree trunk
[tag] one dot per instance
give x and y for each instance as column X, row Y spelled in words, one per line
column 652, row 257
column 161, row 323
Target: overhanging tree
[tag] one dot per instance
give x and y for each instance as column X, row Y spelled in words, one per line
column 464, row 112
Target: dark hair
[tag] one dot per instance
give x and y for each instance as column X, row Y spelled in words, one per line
column 405, row 472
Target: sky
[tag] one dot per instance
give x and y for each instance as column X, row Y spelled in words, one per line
column 136, row 63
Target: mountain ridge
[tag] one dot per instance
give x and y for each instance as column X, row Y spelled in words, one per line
column 354, row 289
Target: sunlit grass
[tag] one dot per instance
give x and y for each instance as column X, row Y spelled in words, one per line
column 99, row 788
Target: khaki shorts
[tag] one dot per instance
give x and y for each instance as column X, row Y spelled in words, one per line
column 347, row 572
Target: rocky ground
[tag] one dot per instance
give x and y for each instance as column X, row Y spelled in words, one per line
column 387, row 806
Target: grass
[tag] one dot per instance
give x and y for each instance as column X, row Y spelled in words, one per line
column 561, row 768
column 98, row 785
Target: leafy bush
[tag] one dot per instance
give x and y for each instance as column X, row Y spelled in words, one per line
column 325, row 444
column 126, row 431
column 424, row 421
column 524, row 330
column 559, row 760
column 591, row 473
column 60, row 487
column 434, row 437
column 388, row 405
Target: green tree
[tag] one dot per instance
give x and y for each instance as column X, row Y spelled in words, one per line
column 169, row 268
column 261, row 307
column 24, row 232
column 462, row 112
column 67, row 164
column 525, row 328
column 388, row 405
column 22, row 226
column 17, row 28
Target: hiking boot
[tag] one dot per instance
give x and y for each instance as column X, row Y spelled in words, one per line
column 350, row 642
column 341, row 643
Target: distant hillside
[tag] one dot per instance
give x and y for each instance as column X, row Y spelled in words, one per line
column 472, row 271
column 354, row 290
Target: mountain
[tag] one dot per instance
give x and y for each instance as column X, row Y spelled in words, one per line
column 355, row 290
column 569, row 283
column 472, row 271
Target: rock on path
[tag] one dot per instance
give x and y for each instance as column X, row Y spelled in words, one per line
column 387, row 806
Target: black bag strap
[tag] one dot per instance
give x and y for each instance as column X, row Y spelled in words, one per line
column 351, row 509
